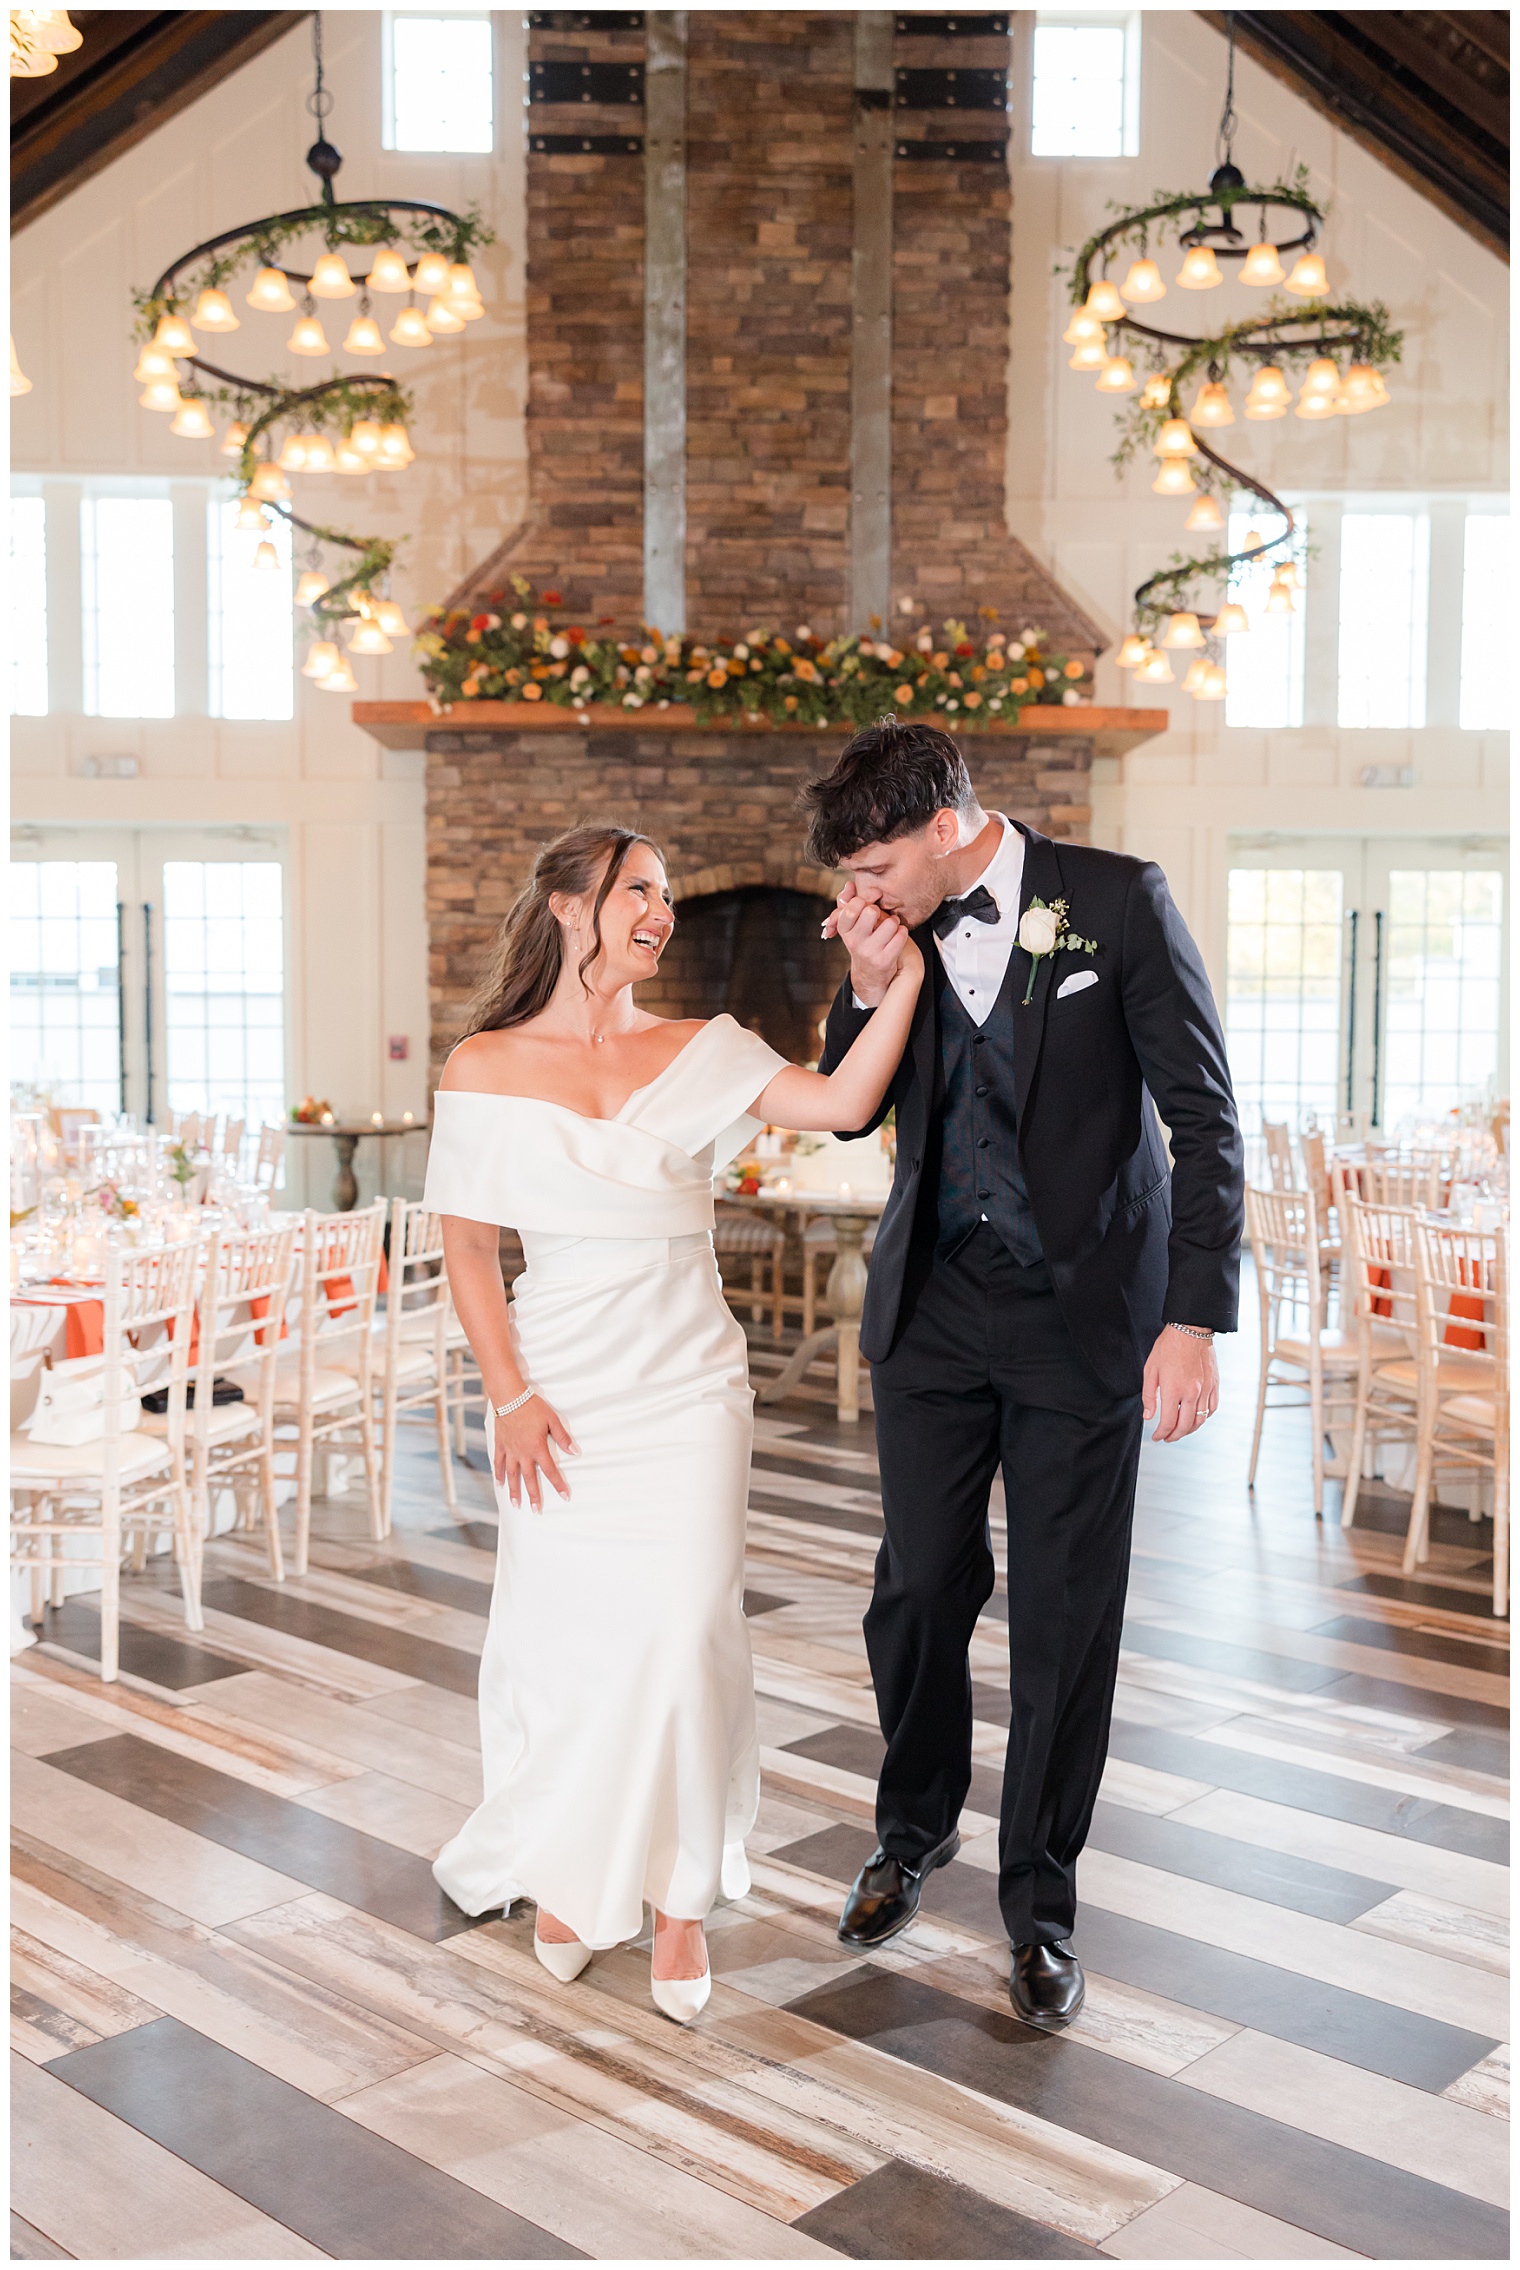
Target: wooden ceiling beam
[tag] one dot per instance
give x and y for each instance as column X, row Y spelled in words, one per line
column 135, row 69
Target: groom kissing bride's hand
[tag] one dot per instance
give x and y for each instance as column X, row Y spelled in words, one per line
column 1043, row 1274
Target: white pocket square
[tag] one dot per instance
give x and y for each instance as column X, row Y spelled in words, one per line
column 1075, row 983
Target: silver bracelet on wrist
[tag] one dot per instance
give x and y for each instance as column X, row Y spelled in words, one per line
column 1193, row 1331
column 505, row 1410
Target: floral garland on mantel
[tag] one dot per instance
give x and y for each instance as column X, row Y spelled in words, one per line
column 768, row 679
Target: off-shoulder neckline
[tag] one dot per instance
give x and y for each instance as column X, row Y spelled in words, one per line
column 595, row 1118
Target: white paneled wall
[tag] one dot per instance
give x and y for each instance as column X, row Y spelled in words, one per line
column 354, row 814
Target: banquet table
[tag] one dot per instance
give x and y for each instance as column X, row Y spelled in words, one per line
column 852, row 1214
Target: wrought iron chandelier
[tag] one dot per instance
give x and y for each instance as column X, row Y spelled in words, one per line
column 351, row 422
column 1316, row 337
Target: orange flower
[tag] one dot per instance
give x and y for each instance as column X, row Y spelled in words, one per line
column 941, row 660
column 693, row 677
column 1018, row 686
column 806, row 670
column 1073, row 669
column 718, row 677
column 533, row 693
column 1037, row 677
column 903, row 694
column 955, row 678
column 790, row 702
column 973, row 701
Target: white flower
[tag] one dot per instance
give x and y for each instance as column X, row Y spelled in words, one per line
column 579, row 674
column 952, row 704
column 1039, row 927
column 642, row 675
column 1016, row 650
column 996, row 702
column 803, row 631
column 741, row 652
column 519, row 622
column 1071, row 699
column 905, row 604
column 559, row 648
column 633, row 701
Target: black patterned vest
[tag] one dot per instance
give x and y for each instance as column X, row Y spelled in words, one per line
column 979, row 1175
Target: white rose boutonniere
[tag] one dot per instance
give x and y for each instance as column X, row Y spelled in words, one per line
column 1044, row 930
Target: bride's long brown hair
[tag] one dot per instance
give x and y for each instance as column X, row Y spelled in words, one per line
column 530, row 950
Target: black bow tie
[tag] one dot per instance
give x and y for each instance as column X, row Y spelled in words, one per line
column 979, row 904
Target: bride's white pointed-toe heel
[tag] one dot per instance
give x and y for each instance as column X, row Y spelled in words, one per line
column 563, row 1959
column 681, row 1998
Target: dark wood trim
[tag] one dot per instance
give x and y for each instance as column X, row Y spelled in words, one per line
column 134, row 70
column 1426, row 91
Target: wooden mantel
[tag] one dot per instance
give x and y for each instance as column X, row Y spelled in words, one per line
column 407, row 724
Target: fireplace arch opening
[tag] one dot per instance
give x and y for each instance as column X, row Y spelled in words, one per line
column 754, row 952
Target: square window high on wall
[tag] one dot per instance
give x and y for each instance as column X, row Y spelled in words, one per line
column 1384, row 618
column 126, row 546
column 28, row 608
column 1265, row 664
column 1488, row 669
column 252, row 633
column 1085, row 100
column 437, row 81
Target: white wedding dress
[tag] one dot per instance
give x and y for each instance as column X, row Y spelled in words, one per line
column 617, row 1708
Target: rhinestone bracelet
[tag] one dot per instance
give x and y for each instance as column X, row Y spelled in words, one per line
column 505, row 1410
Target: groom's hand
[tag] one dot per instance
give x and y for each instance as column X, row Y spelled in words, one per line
column 1181, row 1387
column 874, row 940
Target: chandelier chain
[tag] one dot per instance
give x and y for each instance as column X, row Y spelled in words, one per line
column 1224, row 140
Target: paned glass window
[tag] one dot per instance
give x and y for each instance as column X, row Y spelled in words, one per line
column 66, row 980
column 224, row 984
column 1265, row 665
column 1086, row 95
column 1384, row 606
column 252, row 628
column 438, row 83
column 1441, row 1039
column 29, row 659
column 1283, row 999
column 1487, row 624
column 127, row 546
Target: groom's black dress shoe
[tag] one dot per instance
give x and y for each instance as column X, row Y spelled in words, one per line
column 1046, row 1986
column 885, row 1895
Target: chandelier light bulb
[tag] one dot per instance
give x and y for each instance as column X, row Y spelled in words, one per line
column 1230, row 619
column 192, row 421
column 154, row 363
column 311, row 587
column 1155, row 670
column 1200, row 270
column 1156, row 393
column 1133, row 650
column 269, row 293
column 340, row 680
column 395, row 449
column 1270, row 394
column 1361, row 389
column 1174, row 478
column 364, row 436
column 443, row 315
column 1279, row 598
column 347, row 459
column 1261, row 265
column 173, row 336
column 432, row 273
column 1182, row 630
column 1091, row 355
column 1081, row 328
column 1314, row 405
column 388, row 272
column 308, row 337
column 368, row 638
column 330, row 279
column 391, row 620
column 1176, row 439
column 1143, row 283
column 234, row 440
column 1215, row 684
column 1197, row 672
column 319, row 454
column 410, row 329
column 292, row 458
column 1205, row 514
column 1103, row 301
column 324, row 656
column 1116, row 376
column 269, row 485
column 48, row 29
column 1254, row 540
column 461, row 284
column 1289, row 577
column 160, row 394
column 1212, row 406
column 1322, row 376
column 266, row 557
column 214, row 311
column 1308, row 277
column 251, row 514
column 364, row 337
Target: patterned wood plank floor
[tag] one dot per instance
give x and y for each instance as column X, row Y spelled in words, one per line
column 246, row 2025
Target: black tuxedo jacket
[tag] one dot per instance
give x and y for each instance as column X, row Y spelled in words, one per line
column 1132, row 1241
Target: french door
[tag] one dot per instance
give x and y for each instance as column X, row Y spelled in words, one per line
column 1366, row 974
column 148, row 969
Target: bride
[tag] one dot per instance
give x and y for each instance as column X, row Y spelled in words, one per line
column 616, row 1693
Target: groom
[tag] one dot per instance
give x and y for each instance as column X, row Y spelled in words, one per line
column 1042, row 1275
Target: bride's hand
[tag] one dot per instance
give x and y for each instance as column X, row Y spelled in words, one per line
column 526, row 1443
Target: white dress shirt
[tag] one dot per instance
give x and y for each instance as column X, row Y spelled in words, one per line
column 975, row 954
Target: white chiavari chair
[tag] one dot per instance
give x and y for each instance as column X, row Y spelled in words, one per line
column 1281, row 1170
column 324, row 1378
column 232, row 1139
column 1408, row 1183
column 1462, row 1311
column 412, row 1350
column 1380, row 1260
column 271, row 1152
column 740, row 1236
column 1299, row 1350
column 245, row 1284
column 130, row 1484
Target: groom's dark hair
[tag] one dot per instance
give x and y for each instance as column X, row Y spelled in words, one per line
column 890, row 781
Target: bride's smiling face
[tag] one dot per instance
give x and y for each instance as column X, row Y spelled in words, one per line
column 637, row 920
